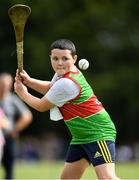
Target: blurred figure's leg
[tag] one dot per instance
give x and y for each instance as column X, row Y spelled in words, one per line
column 8, row 158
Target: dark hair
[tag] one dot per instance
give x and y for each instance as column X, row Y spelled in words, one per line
column 64, row 44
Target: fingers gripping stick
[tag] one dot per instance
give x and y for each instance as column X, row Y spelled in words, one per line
column 19, row 14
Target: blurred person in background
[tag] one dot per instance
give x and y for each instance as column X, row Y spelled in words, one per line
column 69, row 96
column 3, row 125
column 19, row 117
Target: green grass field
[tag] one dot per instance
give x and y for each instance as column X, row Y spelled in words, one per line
column 51, row 170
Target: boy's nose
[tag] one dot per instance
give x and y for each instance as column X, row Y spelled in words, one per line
column 60, row 62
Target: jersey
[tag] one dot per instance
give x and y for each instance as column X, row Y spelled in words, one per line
column 85, row 116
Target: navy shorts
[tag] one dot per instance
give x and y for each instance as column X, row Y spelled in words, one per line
column 96, row 153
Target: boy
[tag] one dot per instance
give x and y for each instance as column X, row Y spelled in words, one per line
column 68, row 96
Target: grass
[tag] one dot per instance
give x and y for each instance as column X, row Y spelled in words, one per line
column 52, row 170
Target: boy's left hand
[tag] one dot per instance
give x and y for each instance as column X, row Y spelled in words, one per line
column 19, row 87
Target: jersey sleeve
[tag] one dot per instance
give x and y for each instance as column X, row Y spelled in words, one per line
column 62, row 91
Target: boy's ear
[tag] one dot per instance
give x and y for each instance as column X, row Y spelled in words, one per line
column 75, row 58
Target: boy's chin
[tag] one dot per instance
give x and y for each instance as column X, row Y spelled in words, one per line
column 61, row 73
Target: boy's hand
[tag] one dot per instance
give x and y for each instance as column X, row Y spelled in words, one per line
column 23, row 75
column 19, row 87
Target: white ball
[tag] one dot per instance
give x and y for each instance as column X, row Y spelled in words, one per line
column 83, row 64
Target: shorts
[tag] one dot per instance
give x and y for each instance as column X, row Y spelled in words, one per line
column 96, row 153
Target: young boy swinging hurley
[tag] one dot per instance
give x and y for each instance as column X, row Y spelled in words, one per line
column 93, row 132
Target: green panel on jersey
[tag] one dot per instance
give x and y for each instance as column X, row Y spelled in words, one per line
column 87, row 93
column 93, row 128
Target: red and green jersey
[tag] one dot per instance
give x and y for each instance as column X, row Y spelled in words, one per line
column 85, row 116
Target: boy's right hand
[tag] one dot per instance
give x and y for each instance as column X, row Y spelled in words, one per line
column 25, row 77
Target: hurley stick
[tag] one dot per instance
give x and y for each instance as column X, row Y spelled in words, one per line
column 19, row 14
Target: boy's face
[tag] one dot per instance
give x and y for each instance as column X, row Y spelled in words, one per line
column 62, row 61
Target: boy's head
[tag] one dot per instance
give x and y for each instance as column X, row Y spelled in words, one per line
column 64, row 44
column 63, row 56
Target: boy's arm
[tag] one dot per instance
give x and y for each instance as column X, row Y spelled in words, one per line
column 35, row 84
column 39, row 85
column 40, row 104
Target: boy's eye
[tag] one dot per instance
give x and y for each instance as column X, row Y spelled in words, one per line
column 65, row 58
column 55, row 58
